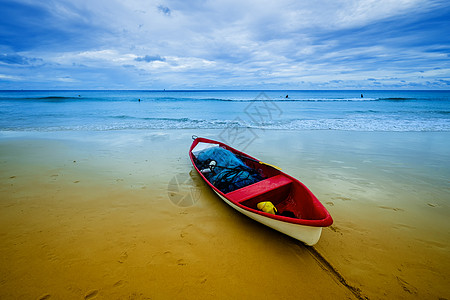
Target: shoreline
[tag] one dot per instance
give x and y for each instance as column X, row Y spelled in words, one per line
column 95, row 207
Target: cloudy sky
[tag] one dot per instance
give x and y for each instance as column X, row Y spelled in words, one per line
column 224, row 44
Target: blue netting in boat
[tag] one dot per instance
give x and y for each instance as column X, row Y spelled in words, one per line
column 229, row 172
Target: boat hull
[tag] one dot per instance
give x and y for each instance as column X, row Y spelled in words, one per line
column 306, row 234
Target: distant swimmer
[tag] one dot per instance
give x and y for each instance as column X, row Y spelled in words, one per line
column 287, row 96
column 139, row 100
column 362, row 96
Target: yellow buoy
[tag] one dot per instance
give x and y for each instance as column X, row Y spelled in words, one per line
column 267, row 207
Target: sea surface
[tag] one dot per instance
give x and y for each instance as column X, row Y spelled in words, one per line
column 267, row 110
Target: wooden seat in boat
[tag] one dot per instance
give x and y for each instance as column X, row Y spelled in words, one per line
column 259, row 188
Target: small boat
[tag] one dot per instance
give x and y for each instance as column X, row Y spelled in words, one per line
column 260, row 191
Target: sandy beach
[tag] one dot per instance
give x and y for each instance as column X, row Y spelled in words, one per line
column 122, row 215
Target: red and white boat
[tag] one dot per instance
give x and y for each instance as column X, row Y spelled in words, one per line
column 299, row 213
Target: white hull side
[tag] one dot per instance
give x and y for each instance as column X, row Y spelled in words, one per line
column 309, row 235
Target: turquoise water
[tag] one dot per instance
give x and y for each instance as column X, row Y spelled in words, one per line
column 268, row 110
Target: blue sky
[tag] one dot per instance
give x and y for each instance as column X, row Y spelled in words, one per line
column 224, row 44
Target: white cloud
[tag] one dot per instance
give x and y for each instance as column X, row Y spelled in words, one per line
column 361, row 12
column 65, row 79
column 10, row 77
column 235, row 41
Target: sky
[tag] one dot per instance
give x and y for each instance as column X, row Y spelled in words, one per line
column 225, row 44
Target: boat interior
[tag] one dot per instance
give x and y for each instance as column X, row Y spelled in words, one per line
column 291, row 198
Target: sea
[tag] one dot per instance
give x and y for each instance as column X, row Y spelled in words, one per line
column 78, row 110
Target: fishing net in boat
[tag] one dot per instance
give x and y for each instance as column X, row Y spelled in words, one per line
column 225, row 170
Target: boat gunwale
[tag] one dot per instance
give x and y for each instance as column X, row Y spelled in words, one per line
column 323, row 222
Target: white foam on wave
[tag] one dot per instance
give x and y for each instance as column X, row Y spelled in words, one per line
column 305, row 124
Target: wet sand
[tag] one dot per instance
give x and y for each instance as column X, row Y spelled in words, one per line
column 121, row 215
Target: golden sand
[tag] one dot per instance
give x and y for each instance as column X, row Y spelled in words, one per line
column 89, row 216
